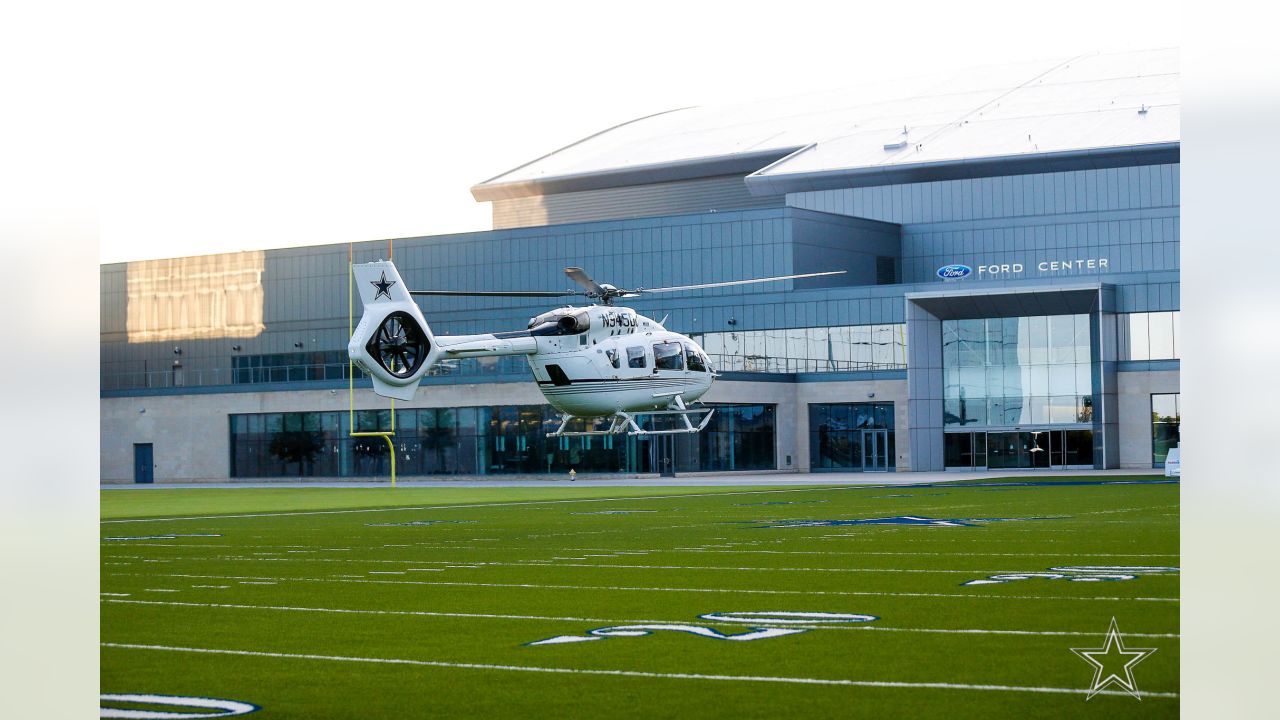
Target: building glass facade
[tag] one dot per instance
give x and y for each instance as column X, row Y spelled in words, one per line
column 1166, row 421
column 852, row 437
column 1005, row 372
column 1024, row 387
column 816, row 349
column 1148, row 336
column 497, row 440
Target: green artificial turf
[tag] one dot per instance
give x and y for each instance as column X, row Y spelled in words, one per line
column 422, row 602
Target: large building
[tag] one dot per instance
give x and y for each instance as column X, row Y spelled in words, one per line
column 1010, row 237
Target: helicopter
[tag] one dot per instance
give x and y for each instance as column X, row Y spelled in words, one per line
column 597, row 361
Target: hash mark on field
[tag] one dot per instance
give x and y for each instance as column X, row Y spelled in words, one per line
column 475, row 505
column 761, row 622
column 543, row 586
column 212, row 587
column 256, row 582
column 159, row 590
column 110, row 594
column 637, row 673
column 552, row 564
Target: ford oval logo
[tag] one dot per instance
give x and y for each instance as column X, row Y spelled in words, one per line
column 953, row 272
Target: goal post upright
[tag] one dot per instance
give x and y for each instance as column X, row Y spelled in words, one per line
column 351, row 374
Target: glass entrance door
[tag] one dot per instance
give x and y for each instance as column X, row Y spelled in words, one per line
column 875, row 450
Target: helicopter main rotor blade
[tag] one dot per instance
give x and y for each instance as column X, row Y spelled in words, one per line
column 497, row 293
column 581, row 277
column 727, row 283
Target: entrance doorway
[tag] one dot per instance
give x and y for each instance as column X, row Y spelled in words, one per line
column 142, row 463
column 1019, row 449
column 875, row 450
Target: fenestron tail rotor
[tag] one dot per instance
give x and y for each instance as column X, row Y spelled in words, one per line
column 399, row 345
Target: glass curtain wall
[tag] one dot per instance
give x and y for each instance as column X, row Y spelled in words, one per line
column 508, row 439
column 1003, row 372
column 851, row 436
column 818, row 349
column 1166, row 419
column 1018, row 392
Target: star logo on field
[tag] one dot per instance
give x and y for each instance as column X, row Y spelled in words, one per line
column 383, row 286
column 1113, row 663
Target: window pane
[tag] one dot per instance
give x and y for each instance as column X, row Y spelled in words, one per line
column 951, row 382
column 1039, row 344
column 1062, row 409
column 950, row 343
column 1062, row 339
column 972, row 343
column 1164, row 408
column 1161, row 328
column 1011, row 337
column 1062, row 379
column 995, row 380
column 1084, row 379
column 1138, row 337
column 1039, row 380
column 666, row 356
column 1083, row 345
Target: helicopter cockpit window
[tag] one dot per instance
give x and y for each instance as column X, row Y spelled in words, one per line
column 668, row 356
column 612, row 354
column 694, row 359
column 560, row 323
column 635, row 357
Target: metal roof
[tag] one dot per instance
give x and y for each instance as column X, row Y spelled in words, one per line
column 1086, row 111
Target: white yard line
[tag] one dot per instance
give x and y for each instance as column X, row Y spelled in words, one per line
column 632, row 673
column 473, row 505
column 615, row 621
column 541, row 586
column 600, row 566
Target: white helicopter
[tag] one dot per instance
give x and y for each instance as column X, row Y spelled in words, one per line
column 589, row 362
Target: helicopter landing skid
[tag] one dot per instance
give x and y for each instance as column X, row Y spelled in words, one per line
column 623, row 422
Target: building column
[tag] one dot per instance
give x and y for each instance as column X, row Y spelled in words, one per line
column 924, row 388
column 1103, row 359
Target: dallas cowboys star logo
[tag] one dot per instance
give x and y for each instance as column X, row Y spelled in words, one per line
column 1113, row 663
column 383, row 286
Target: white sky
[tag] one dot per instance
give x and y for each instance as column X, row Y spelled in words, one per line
column 240, row 126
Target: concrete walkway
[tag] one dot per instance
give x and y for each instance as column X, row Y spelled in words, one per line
column 701, row 480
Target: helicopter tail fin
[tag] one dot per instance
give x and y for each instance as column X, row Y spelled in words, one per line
column 393, row 342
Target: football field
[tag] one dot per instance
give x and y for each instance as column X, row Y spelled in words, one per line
column 963, row 599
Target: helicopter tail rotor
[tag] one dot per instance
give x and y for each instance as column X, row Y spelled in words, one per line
column 393, row 342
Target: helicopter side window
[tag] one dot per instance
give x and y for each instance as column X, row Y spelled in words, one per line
column 694, row 359
column 668, row 356
column 635, row 357
column 614, row 359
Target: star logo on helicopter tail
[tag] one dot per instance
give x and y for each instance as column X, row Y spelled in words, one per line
column 1113, row 663
column 383, row 286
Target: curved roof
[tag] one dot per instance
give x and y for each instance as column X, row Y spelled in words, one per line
column 1091, row 109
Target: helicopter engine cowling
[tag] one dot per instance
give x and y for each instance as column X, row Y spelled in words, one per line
column 393, row 342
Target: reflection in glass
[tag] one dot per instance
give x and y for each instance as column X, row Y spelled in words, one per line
column 1166, row 421
column 480, row 441
column 1160, row 326
column 851, row 436
column 1017, row 371
column 815, row 349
